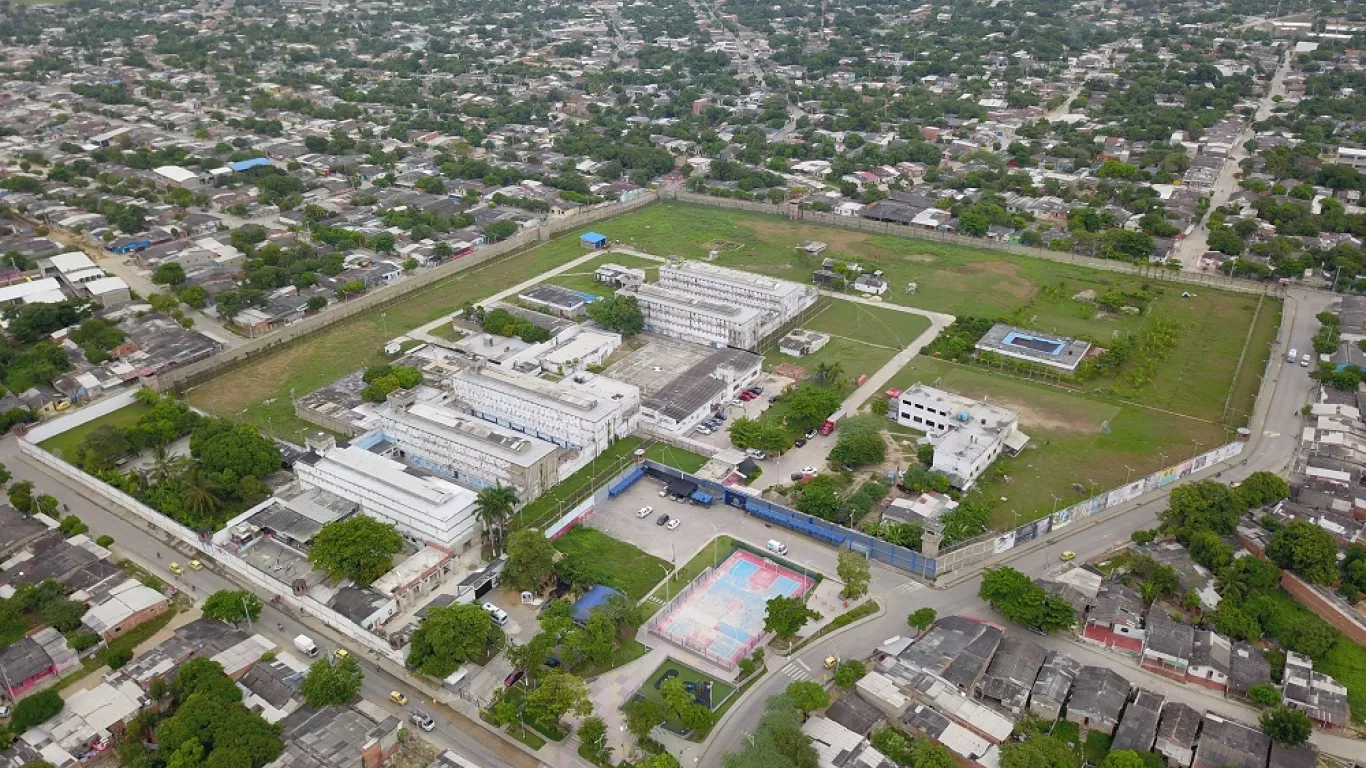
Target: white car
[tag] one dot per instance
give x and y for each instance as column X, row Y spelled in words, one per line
column 500, row 616
column 810, row 471
column 674, row 523
column 755, row 453
column 644, row 512
column 705, row 430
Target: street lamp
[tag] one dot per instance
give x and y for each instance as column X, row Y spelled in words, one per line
column 1128, row 473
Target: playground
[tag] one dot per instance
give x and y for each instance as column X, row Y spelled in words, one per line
column 720, row 616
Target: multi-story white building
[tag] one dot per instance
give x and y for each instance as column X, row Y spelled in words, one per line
column 583, row 412
column 967, row 435
column 427, row 509
column 1353, row 157
column 777, row 300
column 694, row 318
column 467, row 449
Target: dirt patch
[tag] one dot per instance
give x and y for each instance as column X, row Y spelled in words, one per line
column 790, row 370
column 1046, row 419
column 238, row 389
column 834, row 238
column 967, row 269
column 921, row 257
column 976, row 277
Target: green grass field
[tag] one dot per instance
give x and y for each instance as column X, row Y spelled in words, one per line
column 1075, row 440
column 630, row 570
column 562, row 498
column 580, row 278
column 66, row 443
column 863, row 337
column 719, row 690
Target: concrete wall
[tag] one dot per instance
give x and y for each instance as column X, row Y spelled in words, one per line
column 82, row 415
column 867, row 225
column 1343, row 618
column 181, row 378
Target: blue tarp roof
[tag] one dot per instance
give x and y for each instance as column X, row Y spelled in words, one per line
column 595, row 597
column 255, row 162
column 626, row 482
column 594, row 237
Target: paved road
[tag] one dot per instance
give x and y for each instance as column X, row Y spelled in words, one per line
column 1275, row 429
column 467, row 739
column 1189, row 250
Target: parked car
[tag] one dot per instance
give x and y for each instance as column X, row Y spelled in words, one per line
column 644, row 512
column 755, row 453
column 756, row 390
column 674, row 523
column 1304, row 361
column 810, row 471
column 513, row 677
column 398, row 698
column 797, row 476
column 704, row 429
column 719, row 417
column 810, row 434
column 422, row 720
column 801, row 441
column 663, row 520
column 500, row 616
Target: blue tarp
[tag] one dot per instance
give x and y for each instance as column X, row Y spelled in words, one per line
column 244, row 165
column 592, row 599
column 701, row 498
column 626, row 482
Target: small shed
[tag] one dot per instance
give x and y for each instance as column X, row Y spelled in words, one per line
column 597, row 596
column 594, row 240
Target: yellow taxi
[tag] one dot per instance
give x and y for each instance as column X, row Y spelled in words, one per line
column 195, row 565
column 341, row 653
column 175, row 568
column 831, row 662
column 1068, row 555
column 398, row 698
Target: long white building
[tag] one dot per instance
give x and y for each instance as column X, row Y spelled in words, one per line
column 426, row 509
column 967, row 434
column 694, row 318
column 467, row 449
column 583, row 412
column 777, row 300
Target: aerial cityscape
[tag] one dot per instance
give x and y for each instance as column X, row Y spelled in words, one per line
column 672, row 383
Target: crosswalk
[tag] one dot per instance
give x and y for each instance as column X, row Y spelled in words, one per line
column 797, row 670
column 907, row 588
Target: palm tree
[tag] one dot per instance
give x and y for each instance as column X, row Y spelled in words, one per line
column 493, row 506
column 829, row 372
column 164, row 465
column 197, row 496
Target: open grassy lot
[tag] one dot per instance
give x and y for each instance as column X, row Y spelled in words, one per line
column 629, row 569
column 580, row 278
column 863, row 337
column 1075, row 440
column 65, row 444
column 675, row 457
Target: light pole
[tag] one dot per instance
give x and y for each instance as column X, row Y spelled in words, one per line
column 1196, row 443
column 1128, row 473
column 246, row 611
column 1055, row 503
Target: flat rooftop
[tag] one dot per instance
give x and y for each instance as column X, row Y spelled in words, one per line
column 697, row 386
column 650, row 294
column 655, row 365
column 1035, row 346
column 464, row 429
column 749, row 280
column 594, row 399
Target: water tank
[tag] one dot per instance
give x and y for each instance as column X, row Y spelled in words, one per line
column 963, row 416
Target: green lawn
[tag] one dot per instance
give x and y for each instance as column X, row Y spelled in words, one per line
column 625, row 653
column 1075, row 440
column 675, row 457
column 562, row 498
column 65, row 444
column 863, row 338
column 580, row 278
column 719, row 689
column 626, row 568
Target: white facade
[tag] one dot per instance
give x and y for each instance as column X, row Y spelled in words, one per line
column 426, row 509
column 585, row 411
column 693, row 318
column 778, row 300
column 1352, row 157
column 471, row 450
column 585, row 349
column 967, row 435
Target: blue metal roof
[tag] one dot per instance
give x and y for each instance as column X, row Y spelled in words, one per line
column 255, row 162
column 594, row 237
column 595, row 597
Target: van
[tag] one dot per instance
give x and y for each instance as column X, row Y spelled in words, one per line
column 777, row 546
column 1294, row 354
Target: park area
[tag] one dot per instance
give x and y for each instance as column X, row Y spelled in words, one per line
column 705, row 689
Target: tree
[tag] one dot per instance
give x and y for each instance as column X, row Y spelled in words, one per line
column 809, row 406
column 931, row 755
column 1249, row 576
column 1287, row 727
column 1263, row 488
column 785, row 616
column 807, row 696
column 223, row 447
column 450, row 636
column 1123, row 758
column 500, row 230
column 642, row 715
column 619, row 313
column 246, row 740
column 852, row 568
column 1024, row 602
column 316, row 303
column 204, row 677
column 1038, row 751
column 195, row 296
column 531, row 559
column 925, row 455
column 1264, row 695
column 35, row 710
column 231, row 606
column 1207, row 549
column 102, row 447
column 859, row 448
column 492, row 506
column 777, row 740
column 169, row 273
column 592, row 732
column 359, row 547
column 921, row 618
column 763, row 434
column 1306, row 549
column 21, row 496
column 328, row 684
column 819, row 497
column 849, row 672
column 1203, row 505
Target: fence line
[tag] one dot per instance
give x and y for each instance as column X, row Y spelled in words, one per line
column 796, row 213
column 676, row 603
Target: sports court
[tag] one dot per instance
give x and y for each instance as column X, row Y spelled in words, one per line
column 720, row 615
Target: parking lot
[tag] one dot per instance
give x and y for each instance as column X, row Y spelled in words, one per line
column 771, row 383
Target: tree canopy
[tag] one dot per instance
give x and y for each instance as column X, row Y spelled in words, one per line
column 450, row 636
column 1024, row 602
column 531, row 559
column 332, row 682
column 232, row 606
column 359, row 548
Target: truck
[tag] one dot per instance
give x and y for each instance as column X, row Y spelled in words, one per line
column 831, row 421
column 306, row 645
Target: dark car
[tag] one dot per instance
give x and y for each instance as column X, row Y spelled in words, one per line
column 663, row 520
column 756, row 390
column 552, row 662
column 800, row 442
column 797, row 476
column 512, row 679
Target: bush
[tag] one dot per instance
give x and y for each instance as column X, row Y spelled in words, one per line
column 116, row 659
column 1264, row 695
column 105, row 540
column 82, row 641
column 35, row 710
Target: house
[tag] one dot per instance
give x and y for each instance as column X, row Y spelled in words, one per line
column 25, row 664
column 127, row 606
column 1247, row 667
column 1098, row 696
column 840, row 747
column 956, row 648
column 1051, row 687
column 854, row 713
column 1302, row 756
column 1115, row 619
column 618, row 276
column 1227, row 743
column 89, row 721
column 1176, row 733
column 1138, row 728
column 594, row 240
column 1317, row 695
column 362, row 735
column 1012, row 673
column 1166, row 646
column 1209, row 660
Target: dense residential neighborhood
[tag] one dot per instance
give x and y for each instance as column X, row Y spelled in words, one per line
column 454, row 384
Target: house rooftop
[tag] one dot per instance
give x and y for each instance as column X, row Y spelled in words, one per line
column 956, row 648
